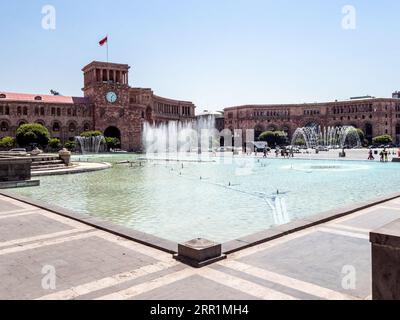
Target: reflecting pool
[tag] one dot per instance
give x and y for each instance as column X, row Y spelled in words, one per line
column 219, row 198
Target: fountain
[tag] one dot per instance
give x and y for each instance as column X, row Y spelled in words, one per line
column 90, row 144
column 177, row 137
column 329, row 137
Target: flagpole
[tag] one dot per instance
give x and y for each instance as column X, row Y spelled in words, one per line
column 107, row 49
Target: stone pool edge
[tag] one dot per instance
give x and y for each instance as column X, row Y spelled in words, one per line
column 229, row 247
column 301, row 224
column 121, row 231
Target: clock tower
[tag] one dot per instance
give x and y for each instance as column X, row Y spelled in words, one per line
column 106, row 85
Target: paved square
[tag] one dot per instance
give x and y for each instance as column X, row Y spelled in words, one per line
column 94, row 264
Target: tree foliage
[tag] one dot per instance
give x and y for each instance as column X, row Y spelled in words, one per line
column 7, row 143
column 33, row 133
column 55, row 144
column 89, row 134
column 382, row 139
column 274, row 137
column 112, row 143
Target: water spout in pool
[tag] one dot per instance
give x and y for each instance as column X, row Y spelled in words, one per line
column 329, row 137
column 90, row 144
column 180, row 136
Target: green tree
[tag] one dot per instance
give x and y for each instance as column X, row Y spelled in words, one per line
column 360, row 133
column 382, row 139
column 89, row 134
column 299, row 142
column 7, row 143
column 112, row 143
column 273, row 137
column 55, row 144
column 33, row 133
column 70, row 145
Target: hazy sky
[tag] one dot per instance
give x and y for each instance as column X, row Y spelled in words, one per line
column 216, row 53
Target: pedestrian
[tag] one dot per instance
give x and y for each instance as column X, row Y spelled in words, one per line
column 371, row 155
column 386, row 155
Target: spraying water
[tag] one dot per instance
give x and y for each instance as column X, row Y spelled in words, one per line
column 90, row 144
column 332, row 137
column 180, row 136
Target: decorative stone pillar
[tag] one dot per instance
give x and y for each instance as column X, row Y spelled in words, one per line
column 65, row 156
column 386, row 262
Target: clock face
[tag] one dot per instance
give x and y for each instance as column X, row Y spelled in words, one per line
column 111, row 97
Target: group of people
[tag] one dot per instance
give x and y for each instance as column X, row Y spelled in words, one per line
column 285, row 153
column 384, row 155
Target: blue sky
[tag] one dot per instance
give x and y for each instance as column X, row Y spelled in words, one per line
column 216, row 53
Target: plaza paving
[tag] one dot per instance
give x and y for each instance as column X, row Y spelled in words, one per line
column 93, row 264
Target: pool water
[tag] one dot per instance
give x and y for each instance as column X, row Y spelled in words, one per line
column 220, row 199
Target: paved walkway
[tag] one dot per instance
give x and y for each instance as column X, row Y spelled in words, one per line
column 331, row 261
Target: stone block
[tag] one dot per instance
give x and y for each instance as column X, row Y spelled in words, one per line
column 15, row 169
column 386, row 262
column 199, row 253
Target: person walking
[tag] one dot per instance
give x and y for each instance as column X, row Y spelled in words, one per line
column 382, row 155
column 371, row 155
column 386, row 155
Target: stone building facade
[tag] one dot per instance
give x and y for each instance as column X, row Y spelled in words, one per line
column 109, row 104
column 375, row 116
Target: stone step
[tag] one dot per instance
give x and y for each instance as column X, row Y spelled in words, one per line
column 39, row 159
column 46, row 162
column 47, row 168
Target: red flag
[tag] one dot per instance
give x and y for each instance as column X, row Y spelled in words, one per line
column 103, row 41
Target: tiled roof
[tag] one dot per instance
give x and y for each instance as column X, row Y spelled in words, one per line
column 26, row 97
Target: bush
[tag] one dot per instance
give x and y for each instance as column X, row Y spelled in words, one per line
column 382, row 139
column 88, row 134
column 273, row 137
column 299, row 142
column 361, row 134
column 55, row 144
column 112, row 143
column 33, row 134
column 7, row 143
column 70, row 145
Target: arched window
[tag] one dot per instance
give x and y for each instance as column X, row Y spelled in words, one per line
column 398, row 129
column 25, row 111
column 19, row 111
column 42, row 111
column 3, row 96
column 4, row 126
column 40, row 122
column 56, row 127
column 72, row 127
column 21, row 123
column 38, row 98
column 369, row 131
column 86, row 127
